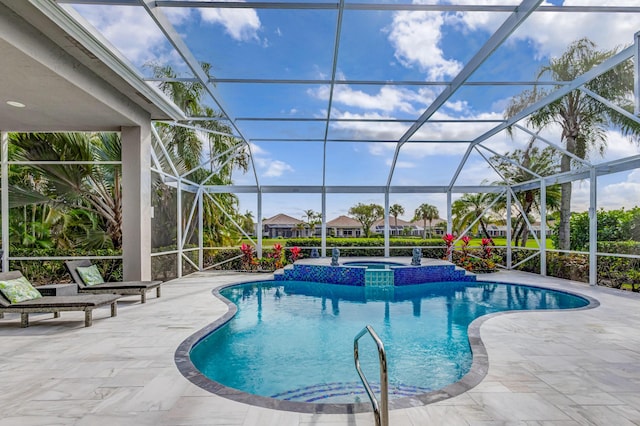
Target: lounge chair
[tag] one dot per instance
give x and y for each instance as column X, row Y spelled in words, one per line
column 124, row 287
column 55, row 304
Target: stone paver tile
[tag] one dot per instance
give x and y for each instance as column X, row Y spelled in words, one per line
column 36, row 420
column 518, row 407
column 594, row 398
column 200, row 410
column 597, row 415
column 436, row 415
column 260, row 416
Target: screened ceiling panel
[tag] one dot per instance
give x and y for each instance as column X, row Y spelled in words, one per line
column 247, row 44
column 356, row 164
column 296, row 163
column 282, row 131
column 427, row 164
column 266, row 101
column 363, row 93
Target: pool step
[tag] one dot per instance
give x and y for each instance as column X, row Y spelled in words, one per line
column 345, row 392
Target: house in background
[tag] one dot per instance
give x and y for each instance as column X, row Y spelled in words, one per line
column 501, row 230
column 344, row 226
column 404, row 228
column 284, row 226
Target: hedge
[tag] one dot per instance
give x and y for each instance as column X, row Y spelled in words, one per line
column 53, row 271
column 349, row 246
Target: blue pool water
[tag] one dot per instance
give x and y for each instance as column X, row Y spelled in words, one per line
column 294, row 340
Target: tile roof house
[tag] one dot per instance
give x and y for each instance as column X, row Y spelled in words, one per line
column 403, row 228
column 344, row 226
column 284, row 226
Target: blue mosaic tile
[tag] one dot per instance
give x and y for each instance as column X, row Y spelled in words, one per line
column 400, row 275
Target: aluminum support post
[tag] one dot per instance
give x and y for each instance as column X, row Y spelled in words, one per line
column 200, row 201
column 323, row 248
column 543, row 227
column 636, row 76
column 593, row 228
column 386, row 224
column 449, row 214
column 259, row 224
column 4, row 180
column 179, row 226
column 508, row 229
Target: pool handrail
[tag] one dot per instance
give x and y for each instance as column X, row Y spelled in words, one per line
column 380, row 410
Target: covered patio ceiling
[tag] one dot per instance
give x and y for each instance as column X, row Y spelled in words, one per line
column 420, row 86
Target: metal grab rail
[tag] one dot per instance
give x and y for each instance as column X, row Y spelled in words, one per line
column 381, row 410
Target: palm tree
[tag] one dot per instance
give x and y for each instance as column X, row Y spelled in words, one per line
column 95, row 188
column 466, row 209
column 313, row 219
column 186, row 151
column 426, row 212
column 299, row 227
column 583, row 120
column 542, row 162
column 248, row 224
column 396, row 210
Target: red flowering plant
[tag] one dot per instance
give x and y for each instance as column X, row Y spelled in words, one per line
column 448, row 240
column 465, row 244
column 486, row 247
column 248, row 262
column 295, row 254
column 278, row 256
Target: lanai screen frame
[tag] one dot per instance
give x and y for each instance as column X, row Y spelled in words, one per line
column 517, row 15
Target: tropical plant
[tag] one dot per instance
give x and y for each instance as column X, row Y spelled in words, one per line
column 470, row 207
column 583, row 119
column 211, row 166
column 367, row 215
column 396, row 210
column 613, row 225
column 543, row 162
column 247, row 223
column 448, row 240
column 300, row 227
column 80, row 204
column 426, row 212
column 313, row 220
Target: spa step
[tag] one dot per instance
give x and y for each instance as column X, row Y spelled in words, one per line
column 345, row 392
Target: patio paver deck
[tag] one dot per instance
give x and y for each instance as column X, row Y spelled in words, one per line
column 546, row 368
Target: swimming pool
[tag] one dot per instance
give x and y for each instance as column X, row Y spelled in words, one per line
column 294, row 340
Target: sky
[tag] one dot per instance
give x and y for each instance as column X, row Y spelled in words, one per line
column 374, row 46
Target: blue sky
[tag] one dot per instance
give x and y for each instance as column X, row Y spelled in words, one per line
column 374, row 45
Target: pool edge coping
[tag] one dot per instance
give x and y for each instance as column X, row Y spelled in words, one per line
column 477, row 372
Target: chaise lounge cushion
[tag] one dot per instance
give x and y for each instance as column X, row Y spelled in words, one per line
column 115, row 287
column 19, row 290
column 90, row 275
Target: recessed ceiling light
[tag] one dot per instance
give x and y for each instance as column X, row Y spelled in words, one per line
column 16, row 104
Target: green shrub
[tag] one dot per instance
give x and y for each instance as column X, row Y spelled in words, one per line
column 351, row 247
column 53, row 271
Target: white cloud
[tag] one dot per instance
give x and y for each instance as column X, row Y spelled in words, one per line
column 256, row 150
column 387, row 99
column 240, row 24
column 277, row 168
column 402, row 164
column 416, row 37
column 625, row 193
column 266, row 165
column 607, row 30
column 131, row 31
column 618, row 146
